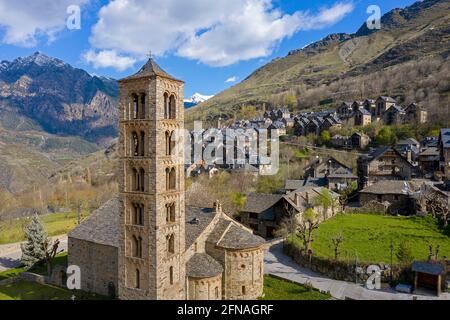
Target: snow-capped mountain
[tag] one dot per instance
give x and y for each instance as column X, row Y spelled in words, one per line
column 196, row 99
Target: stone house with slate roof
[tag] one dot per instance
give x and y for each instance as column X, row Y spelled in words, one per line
column 444, row 152
column 362, row 117
column 264, row 212
column 384, row 163
column 383, row 104
column 146, row 244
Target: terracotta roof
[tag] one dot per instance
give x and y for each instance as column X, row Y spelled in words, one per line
column 202, row 265
column 259, row 202
column 102, row 226
column 150, row 69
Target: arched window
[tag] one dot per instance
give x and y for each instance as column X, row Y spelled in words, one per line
column 170, row 212
column 142, row 108
column 135, row 180
column 171, row 275
column 168, row 138
column 166, row 106
column 216, row 292
column 171, row 243
column 134, row 144
column 172, row 106
column 137, row 247
column 142, row 144
column 141, row 180
column 137, row 279
column 135, row 106
column 172, row 179
column 138, row 214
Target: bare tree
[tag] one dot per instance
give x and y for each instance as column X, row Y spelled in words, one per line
column 305, row 228
column 50, row 249
column 336, row 241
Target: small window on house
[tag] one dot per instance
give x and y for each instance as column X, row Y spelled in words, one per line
column 216, row 292
column 379, row 198
column 243, row 290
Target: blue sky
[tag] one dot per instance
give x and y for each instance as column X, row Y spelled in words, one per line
column 203, row 42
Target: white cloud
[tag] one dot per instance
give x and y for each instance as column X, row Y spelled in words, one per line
column 231, row 79
column 24, row 21
column 108, row 59
column 217, row 33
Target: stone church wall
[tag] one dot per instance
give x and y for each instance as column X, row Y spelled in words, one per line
column 98, row 266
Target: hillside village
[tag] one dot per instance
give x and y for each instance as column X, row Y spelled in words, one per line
column 389, row 175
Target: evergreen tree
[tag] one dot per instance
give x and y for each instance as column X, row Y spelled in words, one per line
column 33, row 250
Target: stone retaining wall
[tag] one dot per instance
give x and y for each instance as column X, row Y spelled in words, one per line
column 346, row 271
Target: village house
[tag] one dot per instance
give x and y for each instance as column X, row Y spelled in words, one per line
column 345, row 110
column 337, row 175
column 384, row 163
column 362, row 117
column 313, row 127
column 341, row 142
column 356, row 105
column 370, row 105
column 429, row 160
column 288, row 122
column 383, row 104
column 264, row 212
column 415, row 114
column 283, row 113
column 444, row 152
column 359, row 140
column 394, row 194
column 409, row 149
column 394, row 115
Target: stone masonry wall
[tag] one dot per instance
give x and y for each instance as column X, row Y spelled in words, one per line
column 98, row 265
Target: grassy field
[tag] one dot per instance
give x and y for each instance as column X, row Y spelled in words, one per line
column 60, row 259
column 277, row 289
column 55, row 224
column 24, row 290
column 369, row 236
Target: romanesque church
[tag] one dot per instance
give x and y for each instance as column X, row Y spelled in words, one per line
column 145, row 243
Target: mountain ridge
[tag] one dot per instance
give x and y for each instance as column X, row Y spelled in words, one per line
column 419, row 31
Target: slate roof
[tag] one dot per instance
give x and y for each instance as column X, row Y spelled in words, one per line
column 430, row 151
column 202, row 265
column 102, row 226
column 150, row 69
column 385, row 98
column 342, row 173
column 197, row 219
column 259, row 202
column 444, row 137
column 293, row 184
column 364, row 112
column 409, row 141
column 429, row 268
column 236, row 238
column 389, row 187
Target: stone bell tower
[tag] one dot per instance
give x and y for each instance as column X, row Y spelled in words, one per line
column 151, row 186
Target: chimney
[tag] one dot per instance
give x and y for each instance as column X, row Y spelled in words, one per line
column 297, row 199
column 217, row 206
